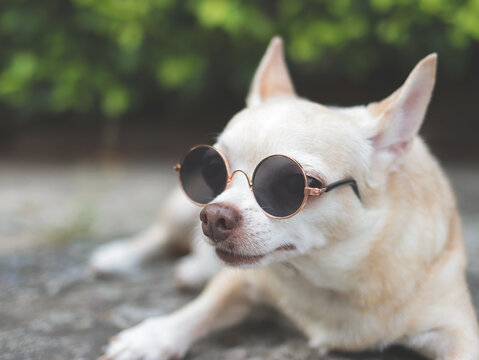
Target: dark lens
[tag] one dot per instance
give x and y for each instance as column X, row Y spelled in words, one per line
column 203, row 174
column 278, row 186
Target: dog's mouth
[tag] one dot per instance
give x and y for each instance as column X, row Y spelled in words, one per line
column 235, row 259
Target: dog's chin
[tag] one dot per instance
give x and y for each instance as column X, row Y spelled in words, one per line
column 236, row 259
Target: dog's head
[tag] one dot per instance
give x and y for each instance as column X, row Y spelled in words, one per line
column 365, row 143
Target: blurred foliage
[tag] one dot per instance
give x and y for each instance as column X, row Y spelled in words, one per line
column 115, row 56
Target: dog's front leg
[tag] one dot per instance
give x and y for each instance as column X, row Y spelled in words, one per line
column 225, row 301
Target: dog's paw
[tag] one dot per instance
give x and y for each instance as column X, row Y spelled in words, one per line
column 190, row 273
column 195, row 270
column 319, row 346
column 115, row 258
column 153, row 339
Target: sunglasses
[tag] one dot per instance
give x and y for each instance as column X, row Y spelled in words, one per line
column 280, row 184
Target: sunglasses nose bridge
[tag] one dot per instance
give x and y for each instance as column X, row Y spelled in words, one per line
column 230, row 179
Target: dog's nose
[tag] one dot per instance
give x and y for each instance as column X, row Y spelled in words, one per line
column 218, row 221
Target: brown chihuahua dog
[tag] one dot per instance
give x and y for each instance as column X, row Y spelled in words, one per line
column 378, row 261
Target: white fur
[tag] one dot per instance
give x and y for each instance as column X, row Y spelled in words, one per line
column 153, row 339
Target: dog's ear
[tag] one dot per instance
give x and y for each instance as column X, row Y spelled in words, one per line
column 399, row 117
column 272, row 77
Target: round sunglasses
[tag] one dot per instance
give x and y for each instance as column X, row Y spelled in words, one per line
column 280, row 184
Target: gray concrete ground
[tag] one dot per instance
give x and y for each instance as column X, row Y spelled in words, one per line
column 51, row 217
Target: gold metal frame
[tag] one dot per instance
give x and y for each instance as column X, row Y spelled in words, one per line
column 308, row 191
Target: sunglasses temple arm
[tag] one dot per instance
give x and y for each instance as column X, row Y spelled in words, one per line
column 349, row 181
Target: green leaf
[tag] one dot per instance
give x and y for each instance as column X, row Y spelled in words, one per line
column 115, row 101
column 176, row 71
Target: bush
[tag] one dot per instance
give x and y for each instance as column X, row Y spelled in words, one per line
column 114, row 56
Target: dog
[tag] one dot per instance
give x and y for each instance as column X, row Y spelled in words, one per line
column 365, row 266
